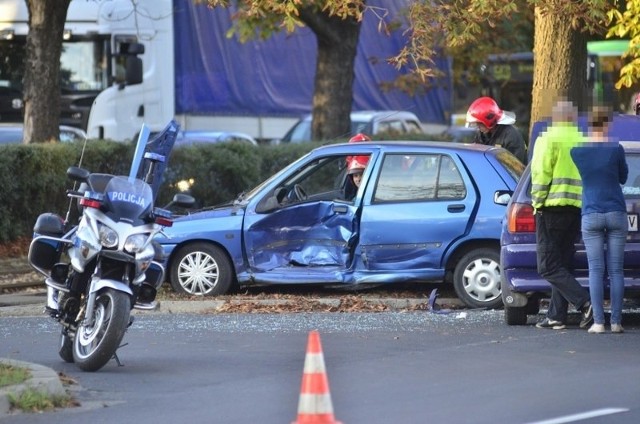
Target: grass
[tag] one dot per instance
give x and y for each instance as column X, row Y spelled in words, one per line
column 10, row 375
column 31, row 400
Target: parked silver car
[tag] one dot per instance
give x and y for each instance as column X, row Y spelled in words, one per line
column 13, row 134
column 370, row 122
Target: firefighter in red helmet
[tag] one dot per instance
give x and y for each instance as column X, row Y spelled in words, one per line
column 355, row 168
column 359, row 137
column 495, row 127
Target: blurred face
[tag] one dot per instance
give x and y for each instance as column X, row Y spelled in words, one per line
column 357, row 178
column 483, row 128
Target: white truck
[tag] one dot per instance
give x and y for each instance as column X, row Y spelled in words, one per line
column 128, row 62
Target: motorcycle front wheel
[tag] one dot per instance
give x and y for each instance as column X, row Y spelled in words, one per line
column 94, row 345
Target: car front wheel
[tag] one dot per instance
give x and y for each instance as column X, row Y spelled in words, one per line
column 476, row 278
column 201, row 269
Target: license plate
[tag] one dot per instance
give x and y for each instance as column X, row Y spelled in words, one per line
column 632, row 218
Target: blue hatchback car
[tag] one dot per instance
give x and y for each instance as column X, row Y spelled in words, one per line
column 522, row 286
column 424, row 212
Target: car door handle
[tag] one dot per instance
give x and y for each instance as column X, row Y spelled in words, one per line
column 455, row 208
column 340, row 208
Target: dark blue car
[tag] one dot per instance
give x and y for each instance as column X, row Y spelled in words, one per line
column 424, row 212
column 522, row 286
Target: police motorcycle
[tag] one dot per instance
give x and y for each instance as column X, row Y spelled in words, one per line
column 100, row 268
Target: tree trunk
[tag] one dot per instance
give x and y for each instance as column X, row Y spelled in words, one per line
column 333, row 91
column 42, row 69
column 560, row 65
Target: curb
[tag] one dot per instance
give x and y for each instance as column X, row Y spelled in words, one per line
column 215, row 306
column 43, row 379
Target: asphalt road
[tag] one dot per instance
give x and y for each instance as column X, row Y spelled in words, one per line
column 392, row 367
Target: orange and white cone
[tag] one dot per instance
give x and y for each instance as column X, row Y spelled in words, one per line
column 314, row 406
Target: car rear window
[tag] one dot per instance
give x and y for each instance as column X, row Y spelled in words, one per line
column 511, row 164
column 631, row 188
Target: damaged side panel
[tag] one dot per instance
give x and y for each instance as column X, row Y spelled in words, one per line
column 301, row 237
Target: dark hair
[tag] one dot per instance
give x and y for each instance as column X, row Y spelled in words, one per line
column 600, row 116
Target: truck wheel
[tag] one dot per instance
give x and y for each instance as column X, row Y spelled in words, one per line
column 201, row 269
column 476, row 278
column 515, row 316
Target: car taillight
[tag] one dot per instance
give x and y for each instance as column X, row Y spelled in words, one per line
column 521, row 218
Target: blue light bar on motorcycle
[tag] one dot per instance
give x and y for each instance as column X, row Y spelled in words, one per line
column 92, row 199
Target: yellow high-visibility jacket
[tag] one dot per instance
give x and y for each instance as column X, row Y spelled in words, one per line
column 555, row 180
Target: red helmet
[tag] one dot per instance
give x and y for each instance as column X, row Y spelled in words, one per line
column 359, row 137
column 357, row 164
column 485, row 110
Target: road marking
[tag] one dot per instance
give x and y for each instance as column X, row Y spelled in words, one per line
column 582, row 416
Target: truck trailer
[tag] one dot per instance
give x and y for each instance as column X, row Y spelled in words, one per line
column 125, row 63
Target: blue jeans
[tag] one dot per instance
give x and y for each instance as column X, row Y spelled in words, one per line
column 600, row 231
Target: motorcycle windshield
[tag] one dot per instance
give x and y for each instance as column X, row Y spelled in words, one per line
column 128, row 201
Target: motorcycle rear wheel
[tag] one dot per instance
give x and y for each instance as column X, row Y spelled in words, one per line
column 94, row 346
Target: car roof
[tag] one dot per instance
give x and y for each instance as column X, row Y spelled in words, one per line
column 622, row 128
column 404, row 146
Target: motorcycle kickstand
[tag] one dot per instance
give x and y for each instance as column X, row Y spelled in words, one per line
column 115, row 356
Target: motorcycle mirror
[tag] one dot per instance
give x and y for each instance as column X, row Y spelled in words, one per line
column 77, row 174
column 181, row 200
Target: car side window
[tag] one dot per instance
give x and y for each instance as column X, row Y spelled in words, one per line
column 413, row 127
column 632, row 187
column 421, row 177
column 391, row 127
column 324, row 179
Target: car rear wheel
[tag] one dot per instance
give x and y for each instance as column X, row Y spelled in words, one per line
column 515, row 316
column 476, row 278
column 201, row 269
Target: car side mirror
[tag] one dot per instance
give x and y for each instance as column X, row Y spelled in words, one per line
column 502, row 197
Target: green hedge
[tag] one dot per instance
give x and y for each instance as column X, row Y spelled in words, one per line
column 33, row 177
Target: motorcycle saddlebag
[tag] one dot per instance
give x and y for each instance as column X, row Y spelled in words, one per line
column 44, row 253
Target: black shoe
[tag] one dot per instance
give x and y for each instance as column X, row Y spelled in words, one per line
column 552, row 324
column 587, row 315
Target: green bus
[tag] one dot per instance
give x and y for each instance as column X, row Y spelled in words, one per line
column 508, row 78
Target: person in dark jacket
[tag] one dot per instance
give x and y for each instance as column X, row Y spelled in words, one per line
column 495, row 127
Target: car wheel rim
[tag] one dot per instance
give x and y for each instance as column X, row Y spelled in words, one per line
column 198, row 273
column 481, row 280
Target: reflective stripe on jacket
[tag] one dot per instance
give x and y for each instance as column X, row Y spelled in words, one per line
column 555, row 180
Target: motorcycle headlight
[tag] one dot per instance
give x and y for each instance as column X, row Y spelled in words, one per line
column 108, row 237
column 136, row 243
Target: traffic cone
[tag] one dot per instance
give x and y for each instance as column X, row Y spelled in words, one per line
column 314, row 406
